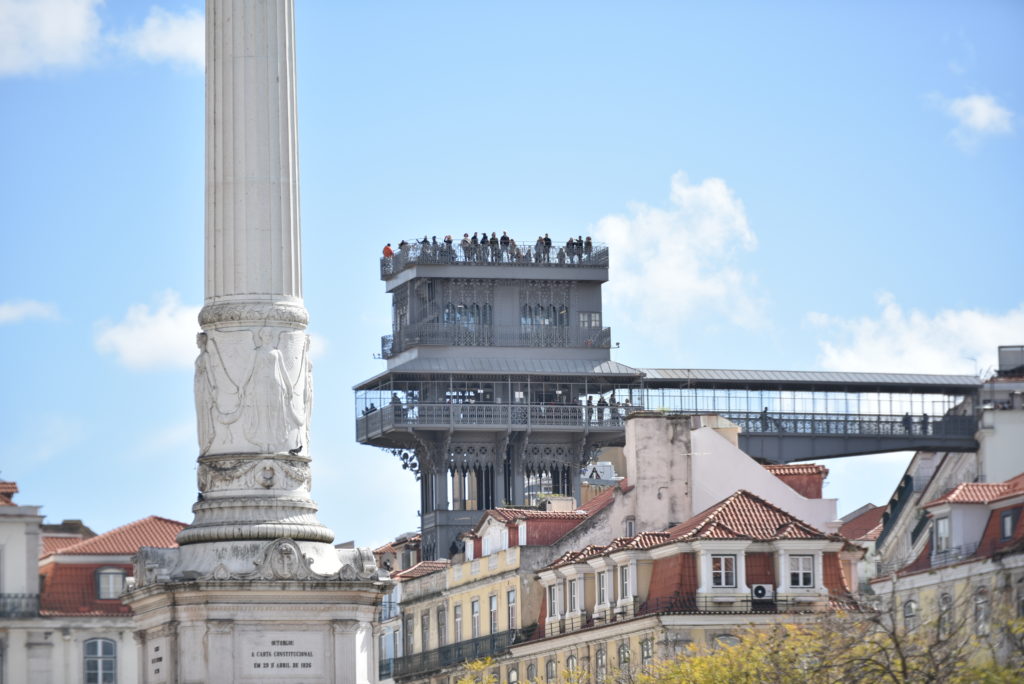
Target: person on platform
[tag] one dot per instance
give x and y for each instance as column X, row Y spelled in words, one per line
column 388, row 252
column 908, row 423
column 538, row 249
column 925, row 425
column 588, row 248
column 547, row 247
column 765, row 424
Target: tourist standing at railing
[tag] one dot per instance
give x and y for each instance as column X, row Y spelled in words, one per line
column 547, row 247
column 602, row 404
column 908, row 423
column 561, row 255
column 924, row 424
column 590, row 407
column 765, row 423
column 588, row 248
column 506, row 245
column 570, row 249
column 538, row 249
column 579, row 249
column 494, row 246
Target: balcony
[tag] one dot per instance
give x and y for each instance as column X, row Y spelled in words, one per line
column 416, row 254
column 703, row 603
column 19, row 605
column 491, row 417
column 456, row 654
column 458, row 335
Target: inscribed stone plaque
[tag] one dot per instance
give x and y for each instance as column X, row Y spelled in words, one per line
column 157, row 660
column 275, row 656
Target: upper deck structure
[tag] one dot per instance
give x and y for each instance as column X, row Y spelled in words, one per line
column 500, row 386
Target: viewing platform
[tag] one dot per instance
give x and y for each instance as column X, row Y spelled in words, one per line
column 440, row 254
column 480, row 335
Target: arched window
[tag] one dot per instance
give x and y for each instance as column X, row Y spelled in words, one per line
column 646, row 652
column 100, row 661
column 571, row 663
column 982, row 612
column 109, row 583
column 945, row 616
column 623, row 656
column 474, row 314
column 551, row 315
column 538, row 315
column 513, row 675
column 449, row 313
column 910, row 615
column 724, row 640
column 551, row 670
column 531, row 673
column 601, row 662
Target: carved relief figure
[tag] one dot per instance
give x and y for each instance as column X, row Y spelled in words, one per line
column 272, row 420
column 216, row 394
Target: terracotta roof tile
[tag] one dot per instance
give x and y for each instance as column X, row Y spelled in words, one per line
column 54, row 544
column 70, row 589
column 744, row 515
column 864, row 525
column 387, row 548
column 7, row 492
column 127, row 539
column 605, row 498
column 972, row 492
column 420, row 569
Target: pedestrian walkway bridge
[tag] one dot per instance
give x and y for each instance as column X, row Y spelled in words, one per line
column 783, row 416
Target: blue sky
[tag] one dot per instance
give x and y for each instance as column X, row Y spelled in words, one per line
column 791, row 185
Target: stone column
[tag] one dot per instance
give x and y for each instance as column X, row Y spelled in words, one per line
column 253, row 376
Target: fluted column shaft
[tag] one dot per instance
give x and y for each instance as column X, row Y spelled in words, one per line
column 252, row 164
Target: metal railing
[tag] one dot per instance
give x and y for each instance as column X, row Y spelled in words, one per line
column 19, row 605
column 455, row 654
column 704, row 603
column 852, row 424
column 476, row 335
column 442, row 255
column 495, row 416
column 385, row 668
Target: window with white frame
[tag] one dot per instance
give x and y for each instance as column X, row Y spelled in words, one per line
column 493, row 605
column 941, row 535
column 408, row 633
column 553, row 601
column 801, row 571
column 723, row 570
column 601, row 661
column 510, row 597
column 513, row 675
column 458, row 622
column 531, row 672
column 571, row 590
column 442, row 625
column 623, row 657
column 469, row 549
column 646, row 652
column 474, row 618
column 572, row 663
column 982, row 612
column 624, row 582
column 109, row 583
column 590, row 319
column 425, row 631
column 100, row 661
column 1007, row 523
column 602, row 587
column 522, row 534
column 551, row 670
column 630, row 525
column 910, row 615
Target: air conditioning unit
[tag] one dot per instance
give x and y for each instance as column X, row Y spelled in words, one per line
column 761, row 592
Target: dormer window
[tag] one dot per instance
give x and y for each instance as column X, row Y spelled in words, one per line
column 942, row 535
column 723, row 570
column 109, row 583
column 1007, row 523
column 801, row 571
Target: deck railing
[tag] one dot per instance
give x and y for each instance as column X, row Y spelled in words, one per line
column 455, row 654
column 461, row 335
column 481, row 255
column 852, row 424
column 497, row 416
column 19, row 605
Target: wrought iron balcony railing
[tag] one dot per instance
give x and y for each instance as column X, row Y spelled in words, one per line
column 491, row 416
column 455, row 654
column 461, row 335
column 440, row 255
column 19, row 605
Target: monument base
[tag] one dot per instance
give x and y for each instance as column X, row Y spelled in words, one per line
column 280, row 623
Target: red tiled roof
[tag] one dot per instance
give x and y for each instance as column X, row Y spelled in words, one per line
column 605, row 498
column 387, row 548
column 70, row 589
column 745, row 516
column 865, row 526
column 54, row 544
column 972, row 492
column 7, row 492
column 127, row 539
column 513, row 514
column 420, row 569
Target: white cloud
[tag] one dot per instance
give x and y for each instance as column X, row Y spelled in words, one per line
column 163, row 337
column 168, row 37
column 951, row 341
column 15, row 312
column 977, row 117
column 669, row 264
column 35, row 34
